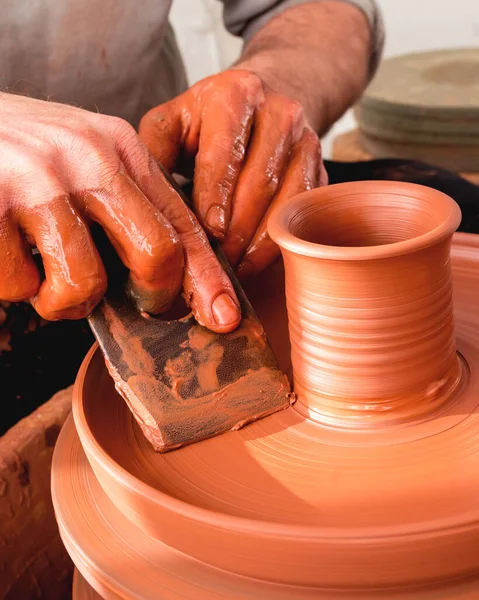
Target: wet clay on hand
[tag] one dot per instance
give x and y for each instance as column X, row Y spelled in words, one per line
column 251, row 148
column 65, row 170
column 182, row 382
column 362, row 489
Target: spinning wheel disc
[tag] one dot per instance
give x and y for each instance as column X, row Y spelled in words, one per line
column 119, row 561
column 285, row 499
column 82, row 590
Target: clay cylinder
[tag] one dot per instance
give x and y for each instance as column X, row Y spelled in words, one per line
column 369, row 298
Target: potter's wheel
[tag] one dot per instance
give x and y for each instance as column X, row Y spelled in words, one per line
column 246, row 502
column 149, row 569
column 81, row 589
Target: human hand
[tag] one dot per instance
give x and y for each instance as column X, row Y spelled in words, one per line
column 251, row 148
column 63, row 169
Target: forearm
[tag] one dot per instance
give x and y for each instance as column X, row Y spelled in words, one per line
column 317, row 53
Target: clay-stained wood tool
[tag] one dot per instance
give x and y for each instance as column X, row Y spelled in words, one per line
column 182, row 382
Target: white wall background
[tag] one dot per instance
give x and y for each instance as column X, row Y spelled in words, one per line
column 411, row 25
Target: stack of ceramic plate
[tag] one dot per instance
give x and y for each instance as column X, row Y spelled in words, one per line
column 424, row 106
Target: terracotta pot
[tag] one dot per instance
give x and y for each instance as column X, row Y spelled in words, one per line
column 369, row 297
column 366, row 491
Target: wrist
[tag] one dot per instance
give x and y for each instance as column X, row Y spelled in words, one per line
column 317, row 53
column 265, row 65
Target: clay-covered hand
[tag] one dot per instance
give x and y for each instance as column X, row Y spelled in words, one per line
column 63, row 169
column 251, row 148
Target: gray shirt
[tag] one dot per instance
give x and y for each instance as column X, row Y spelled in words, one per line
column 118, row 57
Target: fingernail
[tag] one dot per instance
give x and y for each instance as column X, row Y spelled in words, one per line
column 215, row 220
column 225, row 310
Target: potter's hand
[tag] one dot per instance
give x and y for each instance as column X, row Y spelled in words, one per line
column 63, row 168
column 251, row 149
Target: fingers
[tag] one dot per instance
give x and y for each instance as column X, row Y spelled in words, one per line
column 226, row 124
column 75, row 278
column 323, row 178
column 162, row 129
column 19, row 277
column 275, row 131
column 144, row 239
column 59, row 176
column 304, row 171
column 211, row 122
column 207, row 288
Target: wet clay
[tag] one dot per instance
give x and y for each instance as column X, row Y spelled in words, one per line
column 328, row 499
column 134, row 565
column 369, row 297
column 184, row 383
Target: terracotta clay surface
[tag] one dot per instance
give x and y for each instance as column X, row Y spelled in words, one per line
column 131, row 564
column 347, row 504
column 182, row 382
column 82, row 590
column 369, row 301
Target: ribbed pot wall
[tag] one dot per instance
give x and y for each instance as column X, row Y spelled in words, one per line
column 369, row 297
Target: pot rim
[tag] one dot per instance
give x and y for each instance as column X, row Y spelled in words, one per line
column 280, row 220
column 234, row 523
